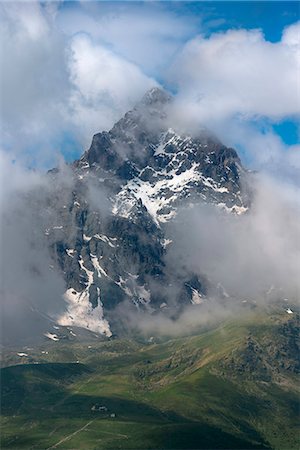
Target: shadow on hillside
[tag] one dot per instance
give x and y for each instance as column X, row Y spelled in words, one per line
column 40, row 392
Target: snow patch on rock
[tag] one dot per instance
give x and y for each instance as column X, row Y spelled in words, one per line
column 80, row 312
column 51, row 336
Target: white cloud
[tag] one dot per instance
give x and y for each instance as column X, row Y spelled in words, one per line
column 239, row 73
column 34, row 78
column 104, row 85
column 237, row 84
column 246, row 254
column 75, row 70
column 147, row 34
column 54, row 83
column 27, row 283
column 266, row 149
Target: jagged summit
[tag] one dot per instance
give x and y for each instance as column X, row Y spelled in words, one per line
column 143, row 139
column 156, row 95
column 110, row 234
column 132, row 136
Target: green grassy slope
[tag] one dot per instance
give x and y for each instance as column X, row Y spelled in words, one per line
column 233, row 387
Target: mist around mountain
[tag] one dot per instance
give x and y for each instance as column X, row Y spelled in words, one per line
column 149, row 295
column 149, row 235
column 154, row 229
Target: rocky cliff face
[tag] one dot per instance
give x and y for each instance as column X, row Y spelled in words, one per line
column 108, row 234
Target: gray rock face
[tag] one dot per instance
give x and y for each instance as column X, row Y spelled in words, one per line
column 108, row 233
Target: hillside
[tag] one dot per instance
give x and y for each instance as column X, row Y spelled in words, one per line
column 233, row 386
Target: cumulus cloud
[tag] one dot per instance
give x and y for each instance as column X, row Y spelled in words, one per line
column 147, row 34
column 238, row 72
column 34, row 77
column 266, row 152
column 104, row 85
column 237, row 84
column 53, row 83
column 73, row 71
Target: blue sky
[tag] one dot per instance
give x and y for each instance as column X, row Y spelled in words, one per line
column 73, row 68
column 270, row 16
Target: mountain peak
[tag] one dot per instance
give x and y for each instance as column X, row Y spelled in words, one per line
column 156, row 95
